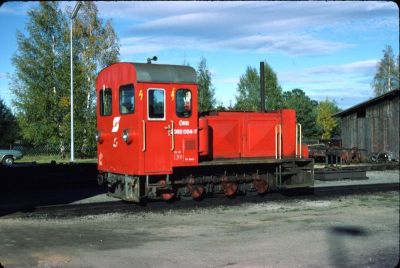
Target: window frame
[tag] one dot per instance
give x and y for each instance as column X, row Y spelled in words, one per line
column 119, row 100
column 148, row 105
column 176, row 103
column 101, row 104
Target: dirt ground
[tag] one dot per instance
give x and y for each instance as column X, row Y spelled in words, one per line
column 352, row 231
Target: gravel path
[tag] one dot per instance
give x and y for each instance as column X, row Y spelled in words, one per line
column 354, row 231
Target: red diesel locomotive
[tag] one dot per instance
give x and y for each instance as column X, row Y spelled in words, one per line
column 153, row 144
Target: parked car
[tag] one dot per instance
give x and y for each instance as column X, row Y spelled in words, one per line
column 7, row 157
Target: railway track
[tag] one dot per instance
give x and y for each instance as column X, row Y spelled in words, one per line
column 89, row 209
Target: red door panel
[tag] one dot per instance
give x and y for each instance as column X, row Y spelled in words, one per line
column 260, row 137
column 158, row 140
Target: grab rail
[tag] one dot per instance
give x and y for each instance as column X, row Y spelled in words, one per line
column 278, row 141
column 298, row 137
column 172, row 136
column 144, row 135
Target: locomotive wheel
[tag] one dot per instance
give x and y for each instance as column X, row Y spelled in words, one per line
column 168, row 196
column 261, row 186
column 196, row 191
column 230, row 188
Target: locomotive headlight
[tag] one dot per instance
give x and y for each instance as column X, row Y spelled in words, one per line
column 98, row 136
column 126, row 136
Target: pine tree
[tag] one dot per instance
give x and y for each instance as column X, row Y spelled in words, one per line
column 206, row 90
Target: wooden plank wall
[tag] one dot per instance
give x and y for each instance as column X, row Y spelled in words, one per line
column 377, row 131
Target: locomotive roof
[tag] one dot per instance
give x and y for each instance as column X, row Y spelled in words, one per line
column 164, row 73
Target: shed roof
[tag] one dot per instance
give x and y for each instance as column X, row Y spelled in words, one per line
column 163, row 73
column 365, row 104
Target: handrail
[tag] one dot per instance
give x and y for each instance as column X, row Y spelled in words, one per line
column 172, row 136
column 280, row 141
column 299, row 139
column 278, row 152
column 144, row 135
column 276, row 141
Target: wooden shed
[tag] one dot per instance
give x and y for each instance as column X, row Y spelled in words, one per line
column 373, row 125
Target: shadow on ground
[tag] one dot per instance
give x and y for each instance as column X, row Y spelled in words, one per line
column 339, row 240
column 23, row 187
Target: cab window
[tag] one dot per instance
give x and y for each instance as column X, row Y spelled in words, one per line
column 156, row 104
column 183, row 103
column 105, row 102
column 126, row 99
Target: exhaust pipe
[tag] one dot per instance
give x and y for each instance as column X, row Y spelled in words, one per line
column 262, row 87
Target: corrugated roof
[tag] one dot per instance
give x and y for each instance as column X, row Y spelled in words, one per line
column 364, row 105
column 162, row 73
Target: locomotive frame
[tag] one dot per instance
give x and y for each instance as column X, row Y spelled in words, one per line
column 152, row 143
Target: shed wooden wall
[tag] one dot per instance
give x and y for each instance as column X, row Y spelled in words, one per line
column 377, row 131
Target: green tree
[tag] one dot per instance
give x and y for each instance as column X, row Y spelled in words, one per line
column 220, row 106
column 96, row 46
column 248, row 89
column 387, row 75
column 273, row 91
column 206, row 90
column 41, row 83
column 328, row 124
column 306, row 111
column 8, row 125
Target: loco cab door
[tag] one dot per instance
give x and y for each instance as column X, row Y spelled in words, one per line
column 157, row 128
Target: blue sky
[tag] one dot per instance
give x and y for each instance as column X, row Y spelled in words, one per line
column 328, row 49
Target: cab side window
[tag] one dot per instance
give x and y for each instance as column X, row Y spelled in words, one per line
column 126, row 99
column 183, row 103
column 105, row 102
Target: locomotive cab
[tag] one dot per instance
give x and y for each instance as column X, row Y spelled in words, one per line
column 147, row 122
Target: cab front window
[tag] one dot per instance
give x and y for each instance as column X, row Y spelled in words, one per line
column 156, row 104
column 105, row 101
column 183, row 103
column 126, row 99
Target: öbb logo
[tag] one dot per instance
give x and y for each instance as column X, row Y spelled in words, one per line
column 116, row 124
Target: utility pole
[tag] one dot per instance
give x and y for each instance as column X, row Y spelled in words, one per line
column 389, row 82
column 73, row 15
